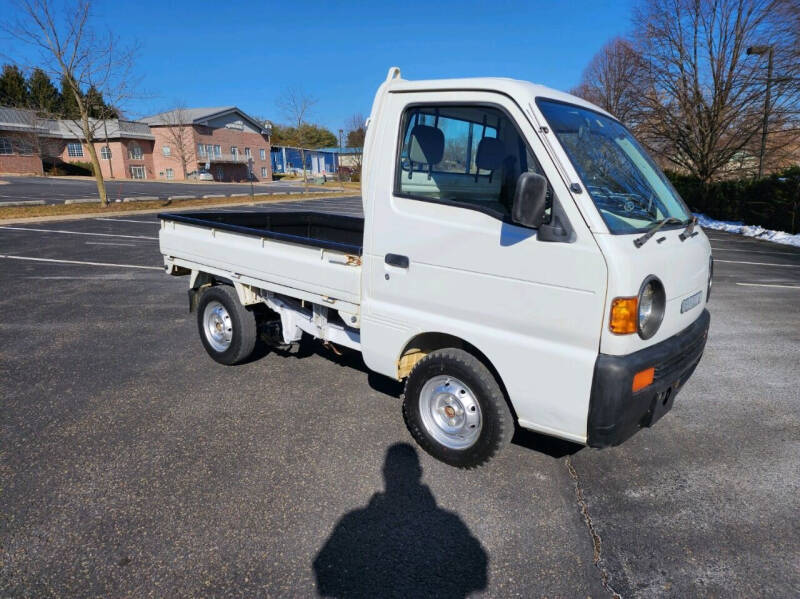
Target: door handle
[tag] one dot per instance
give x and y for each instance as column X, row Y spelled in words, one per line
column 396, row 260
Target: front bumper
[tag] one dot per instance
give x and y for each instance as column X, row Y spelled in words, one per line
column 615, row 411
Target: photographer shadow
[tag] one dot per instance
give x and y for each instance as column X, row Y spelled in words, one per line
column 401, row 544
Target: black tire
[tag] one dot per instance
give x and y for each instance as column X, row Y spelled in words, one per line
column 242, row 325
column 497, row 423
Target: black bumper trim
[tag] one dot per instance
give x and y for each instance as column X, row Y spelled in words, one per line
column 615, row 412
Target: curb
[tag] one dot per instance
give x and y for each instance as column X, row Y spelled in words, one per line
column 142, row 199
column 84, row 201
column 182, row 198
column 23, row 203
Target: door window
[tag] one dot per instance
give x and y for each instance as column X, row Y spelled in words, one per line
column 470, row 156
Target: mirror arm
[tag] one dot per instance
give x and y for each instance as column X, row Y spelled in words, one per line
column 559, row 229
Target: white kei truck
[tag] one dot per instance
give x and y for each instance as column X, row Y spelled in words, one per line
column 521, row 261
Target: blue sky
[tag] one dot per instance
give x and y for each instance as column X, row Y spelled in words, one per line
column 246, row 53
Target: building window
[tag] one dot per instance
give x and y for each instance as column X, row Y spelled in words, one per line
column 263, row 171
column 137, row 172
column 263, row 153
column 24, row 148
column 201, row 149
column 170, row 173
column 217, row 151
column 135, row 152
column 247, row 153
column 75, row 150
column 234, row 152
column 166, row 150
column 105, row 153
column 5, row 145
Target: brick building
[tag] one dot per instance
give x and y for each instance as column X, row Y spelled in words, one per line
column 226, row 142
column 223, row 141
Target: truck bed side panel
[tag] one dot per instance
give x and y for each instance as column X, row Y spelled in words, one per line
column 315, row 270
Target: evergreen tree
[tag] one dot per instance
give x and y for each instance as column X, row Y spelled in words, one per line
column 69, row 106
column 94, row 103
column 44, row 97
column 13, row 87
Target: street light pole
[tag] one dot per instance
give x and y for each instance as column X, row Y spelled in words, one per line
column 759, row 51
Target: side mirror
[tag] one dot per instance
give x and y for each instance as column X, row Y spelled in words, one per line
column 530, row 198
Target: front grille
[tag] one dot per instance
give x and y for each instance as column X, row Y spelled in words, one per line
column 678, row 363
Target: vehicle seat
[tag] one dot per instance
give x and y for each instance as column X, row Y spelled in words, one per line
column 426, row 146
column 490, row 155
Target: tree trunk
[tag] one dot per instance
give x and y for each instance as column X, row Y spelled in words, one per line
column 305, row 176
column 98, row 173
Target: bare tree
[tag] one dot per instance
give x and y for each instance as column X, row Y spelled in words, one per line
column 702, row 98
column 296, row 105
column 356, row 135
column 70, row 49
column 613, row 80
column 179, row 133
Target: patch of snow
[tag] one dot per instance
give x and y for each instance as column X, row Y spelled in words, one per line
column 748, row 230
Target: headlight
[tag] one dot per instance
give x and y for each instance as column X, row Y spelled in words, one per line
column 710, row 276
column 652, row 301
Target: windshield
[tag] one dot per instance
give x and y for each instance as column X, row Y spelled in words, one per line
column 629, row 190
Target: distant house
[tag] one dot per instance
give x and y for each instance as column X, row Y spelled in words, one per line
column 225, row 141
column 26, row 140
column 319, row 161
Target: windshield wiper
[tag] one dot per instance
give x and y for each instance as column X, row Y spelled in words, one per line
column 670, row 220
column 689, row 231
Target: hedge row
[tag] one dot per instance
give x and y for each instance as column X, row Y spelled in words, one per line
column 772, row 202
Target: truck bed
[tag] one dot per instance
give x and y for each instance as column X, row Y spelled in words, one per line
column 307, row 255
column 329, row 231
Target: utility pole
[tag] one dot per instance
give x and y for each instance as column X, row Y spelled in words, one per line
column 760, row 51
column 339, row 157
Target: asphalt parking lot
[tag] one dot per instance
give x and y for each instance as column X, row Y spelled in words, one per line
column 55, row 190
column 133, row 465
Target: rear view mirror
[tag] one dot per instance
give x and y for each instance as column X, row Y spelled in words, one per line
column 530, row 199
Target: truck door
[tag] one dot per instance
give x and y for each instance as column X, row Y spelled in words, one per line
column 442, row 254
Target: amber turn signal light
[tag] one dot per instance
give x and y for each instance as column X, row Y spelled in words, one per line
column 624, row 315
column 643, row 379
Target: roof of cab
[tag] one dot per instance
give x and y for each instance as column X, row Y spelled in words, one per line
column 514, row 88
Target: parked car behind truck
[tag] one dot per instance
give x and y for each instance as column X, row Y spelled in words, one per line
column 521, row 261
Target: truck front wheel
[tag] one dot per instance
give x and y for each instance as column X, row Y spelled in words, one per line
column 227, row 329
column 455, row 410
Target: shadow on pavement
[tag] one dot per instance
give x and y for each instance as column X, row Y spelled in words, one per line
column 401, row 544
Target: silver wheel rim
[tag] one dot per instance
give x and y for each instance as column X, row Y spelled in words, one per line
column 450, row 412
column 217, row 326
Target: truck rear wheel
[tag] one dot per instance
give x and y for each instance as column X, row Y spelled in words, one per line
column 227, row 329
column 455, row 410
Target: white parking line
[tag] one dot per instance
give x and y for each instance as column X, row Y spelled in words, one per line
column 717, row 249
column 78, row 233
column 126, row 220
column 769, row 285
column 79, row 262
column 757, row 263
column 130, row 245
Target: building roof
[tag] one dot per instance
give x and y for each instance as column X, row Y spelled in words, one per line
column 337, row 150
column 199, row 116
column 27, row 121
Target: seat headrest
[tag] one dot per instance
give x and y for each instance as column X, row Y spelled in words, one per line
column 426, row 145
column 490, row 154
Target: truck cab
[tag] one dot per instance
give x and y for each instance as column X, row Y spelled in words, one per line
column 523, row 262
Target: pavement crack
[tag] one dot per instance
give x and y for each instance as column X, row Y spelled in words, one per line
column 597, row 542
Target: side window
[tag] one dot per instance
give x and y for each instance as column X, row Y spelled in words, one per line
column 470, row 156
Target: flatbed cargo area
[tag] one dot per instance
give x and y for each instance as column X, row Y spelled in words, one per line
column 328, row 231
